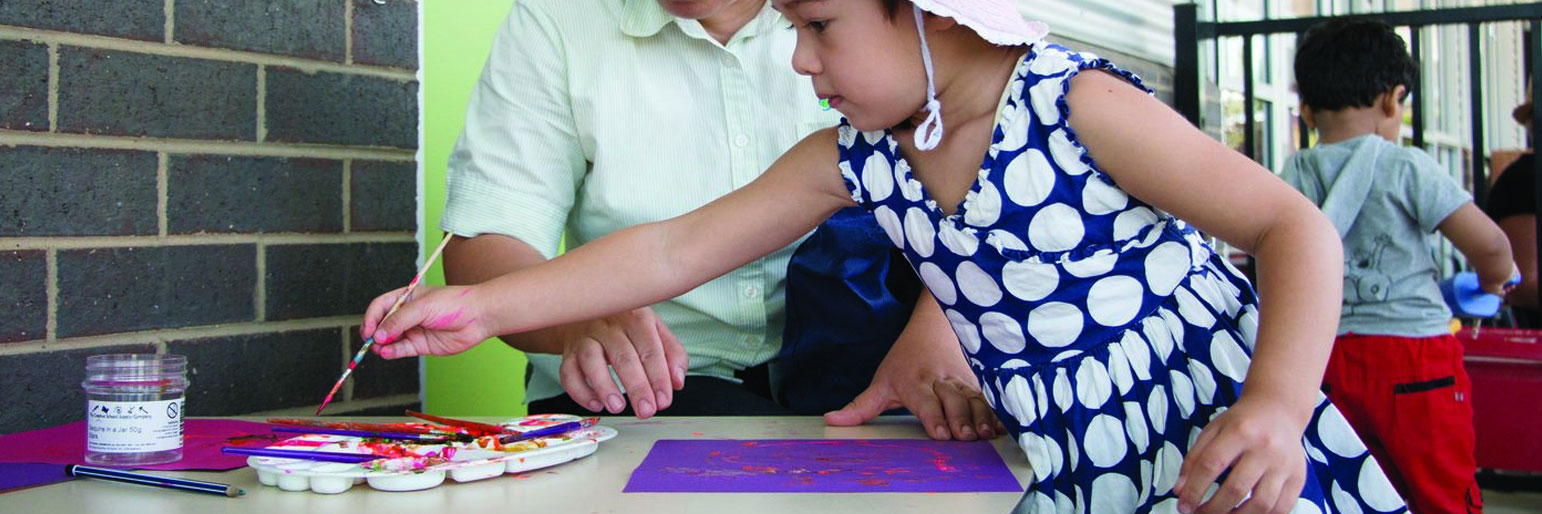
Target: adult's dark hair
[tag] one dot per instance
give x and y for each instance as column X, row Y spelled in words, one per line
column 1347, row 62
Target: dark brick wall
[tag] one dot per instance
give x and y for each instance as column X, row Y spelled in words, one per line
column 23, row 295
column 334, row 279
column 385, row 35
column 301, row 28
column 376, row 376
column 221, row 193
column 233, row 182
column 107, row 290
column 43, row 389
column 133, row 94
column 76, row 192
column 341, row 109
column 24, row 106
column 240, row 374
column 379, row 190
column 130, row 19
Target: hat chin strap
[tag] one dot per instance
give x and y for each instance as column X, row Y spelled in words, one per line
column 929, row 134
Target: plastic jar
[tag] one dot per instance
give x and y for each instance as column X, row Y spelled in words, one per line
column 134, row 408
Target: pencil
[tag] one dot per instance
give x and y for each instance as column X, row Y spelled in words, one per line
column 154, row 480
column 358, row 357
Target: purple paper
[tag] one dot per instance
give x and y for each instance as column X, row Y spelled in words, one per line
column 17, row 476
column 821, row 466
column 201, row 443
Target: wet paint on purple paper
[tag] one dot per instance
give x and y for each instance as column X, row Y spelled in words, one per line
column 822, row 466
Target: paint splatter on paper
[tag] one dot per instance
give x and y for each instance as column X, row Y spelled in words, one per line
column 822, row 466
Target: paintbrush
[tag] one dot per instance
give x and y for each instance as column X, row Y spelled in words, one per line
column 412, row 428
column 557, row 429
column 351, row 458
column 397, row 436
column 474, row 428
column 371, row 341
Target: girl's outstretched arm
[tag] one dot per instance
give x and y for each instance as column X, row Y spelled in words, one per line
column 1158, row 157
column 634, row 267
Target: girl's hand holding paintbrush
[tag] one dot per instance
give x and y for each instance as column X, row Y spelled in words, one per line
column 439, row 321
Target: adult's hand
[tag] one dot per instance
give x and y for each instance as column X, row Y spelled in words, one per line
column 644, row 354
column 926, row 373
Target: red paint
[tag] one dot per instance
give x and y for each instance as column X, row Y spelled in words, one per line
column 302, row 443
column 874, row 482
column 714, row 453
column 697, row 434
column 444, row 321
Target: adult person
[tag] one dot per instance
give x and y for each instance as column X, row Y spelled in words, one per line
column 594, row 115
column 1512, row 203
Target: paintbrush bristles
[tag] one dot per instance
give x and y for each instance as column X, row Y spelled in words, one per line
column 363, row 350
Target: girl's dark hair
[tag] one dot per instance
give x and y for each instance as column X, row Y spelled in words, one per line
column 1348, row 62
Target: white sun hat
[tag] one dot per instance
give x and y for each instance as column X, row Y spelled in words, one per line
column 998, row 21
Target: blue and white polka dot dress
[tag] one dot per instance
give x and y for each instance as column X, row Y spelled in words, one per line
column 1104, row 332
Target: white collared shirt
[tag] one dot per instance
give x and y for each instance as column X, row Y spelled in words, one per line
column 595, row 115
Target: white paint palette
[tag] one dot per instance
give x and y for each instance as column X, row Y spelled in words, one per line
column 428, row 466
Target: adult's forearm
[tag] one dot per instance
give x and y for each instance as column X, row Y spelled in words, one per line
column 481, row 258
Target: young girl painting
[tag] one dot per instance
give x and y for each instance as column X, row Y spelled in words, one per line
column 1046, row 201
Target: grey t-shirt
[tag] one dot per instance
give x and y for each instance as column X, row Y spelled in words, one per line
column 1386, row 201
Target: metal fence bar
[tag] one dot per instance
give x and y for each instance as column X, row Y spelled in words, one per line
column 1474, row 80
column 1186, row 89
column 1536, row 114
column 1450, row 16
column 1416, row 48
column 1249, row 117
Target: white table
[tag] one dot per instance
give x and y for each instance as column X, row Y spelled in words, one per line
column 591, row 484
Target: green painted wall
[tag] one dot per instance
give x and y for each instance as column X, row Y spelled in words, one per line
column 488, row 380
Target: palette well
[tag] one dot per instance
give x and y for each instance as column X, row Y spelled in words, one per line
column 423, row 466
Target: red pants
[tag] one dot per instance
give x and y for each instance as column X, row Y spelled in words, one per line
column 1407, row 398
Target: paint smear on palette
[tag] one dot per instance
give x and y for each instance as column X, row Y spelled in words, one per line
column 821, row 466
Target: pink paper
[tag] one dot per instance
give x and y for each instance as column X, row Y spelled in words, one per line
column 201, row 443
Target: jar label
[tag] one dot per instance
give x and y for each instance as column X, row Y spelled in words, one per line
column 133, row 427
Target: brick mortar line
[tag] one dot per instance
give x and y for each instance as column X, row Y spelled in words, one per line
column 51, row 327
column 260, row 293
column 170, row 334
column 8, row 32
column 91, row 242
column 53, row 87
column 171, row 12
column 348, row 32
column 262, row 102
column 347, row 196
column 339, row 406
column 162, row 196
column 187, row 146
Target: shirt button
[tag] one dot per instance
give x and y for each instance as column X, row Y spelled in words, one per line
column 741, row 140
column 751, row 292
